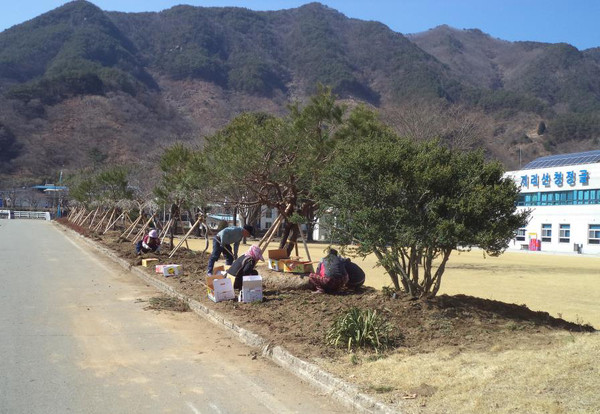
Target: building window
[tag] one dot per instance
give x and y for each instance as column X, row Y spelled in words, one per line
column 521, row 234
column 269, row 213
column 583, row 197
column 267, row 224
column 594, row 234
column 546, row 232
column 564, row 235
column 559, row 198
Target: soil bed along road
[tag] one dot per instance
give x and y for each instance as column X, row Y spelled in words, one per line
column 449, row 328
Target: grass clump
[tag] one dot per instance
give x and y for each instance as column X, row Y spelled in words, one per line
column 168, row 303
column 360, row 328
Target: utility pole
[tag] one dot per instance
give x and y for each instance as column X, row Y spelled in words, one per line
column 58, row 212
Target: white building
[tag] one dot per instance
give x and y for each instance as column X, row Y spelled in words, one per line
column 267, row 217
column 563, row 194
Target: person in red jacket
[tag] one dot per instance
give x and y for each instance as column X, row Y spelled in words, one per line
column 330, row 275
column 149, row 243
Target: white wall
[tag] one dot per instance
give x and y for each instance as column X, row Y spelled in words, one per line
column 266, row 219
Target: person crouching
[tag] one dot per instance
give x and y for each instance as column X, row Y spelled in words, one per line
column 245, row 266
column 149, row 243
column 330, row 275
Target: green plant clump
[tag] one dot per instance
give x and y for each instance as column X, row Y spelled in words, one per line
column 360, row 328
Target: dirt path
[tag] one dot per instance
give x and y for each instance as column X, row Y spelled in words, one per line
column 77, row 337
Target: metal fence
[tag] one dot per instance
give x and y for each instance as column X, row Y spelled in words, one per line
column 34, row 215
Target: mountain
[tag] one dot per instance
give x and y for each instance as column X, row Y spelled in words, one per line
column 287, row 51
column 80, row 86
column 557, row 74
column 75, row 49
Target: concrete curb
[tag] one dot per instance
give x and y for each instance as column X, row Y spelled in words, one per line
column 347, row 394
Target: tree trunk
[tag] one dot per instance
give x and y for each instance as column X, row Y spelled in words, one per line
column 309, row 231
column 293, row 239
column 286, row 232
column 174, row 216
column 393, row 275
column 172, row 233
column 439, row 272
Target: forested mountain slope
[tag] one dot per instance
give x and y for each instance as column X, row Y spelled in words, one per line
column 81, row 86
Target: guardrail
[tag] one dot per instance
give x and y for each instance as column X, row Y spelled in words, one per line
column 35, row 215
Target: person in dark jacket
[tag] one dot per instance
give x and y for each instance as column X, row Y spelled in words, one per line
column 356, row 276
column 245, row 266
column 330, row 275
column 149, row 243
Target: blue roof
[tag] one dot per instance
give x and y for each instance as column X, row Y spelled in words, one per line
column 576, row 158
column 50, row 187
column 225, row 217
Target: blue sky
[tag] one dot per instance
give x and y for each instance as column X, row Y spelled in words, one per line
column 552, row 21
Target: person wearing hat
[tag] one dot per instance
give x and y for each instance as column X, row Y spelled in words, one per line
column 222, row 244
column 149, row 243
column 245, row 266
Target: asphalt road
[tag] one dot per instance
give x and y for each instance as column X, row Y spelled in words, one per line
column 75, row 338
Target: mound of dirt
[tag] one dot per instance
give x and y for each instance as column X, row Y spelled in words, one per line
column 293, row 316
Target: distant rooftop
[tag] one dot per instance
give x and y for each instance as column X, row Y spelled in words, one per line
column 226, row 217
column 49, row 187
column 576, row 158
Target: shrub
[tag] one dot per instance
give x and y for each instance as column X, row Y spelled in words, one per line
column 360, row 328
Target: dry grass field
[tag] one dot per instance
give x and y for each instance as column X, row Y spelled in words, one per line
column 562, row 377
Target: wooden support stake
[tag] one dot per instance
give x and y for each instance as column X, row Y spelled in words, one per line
column 166, row 230
column 268, row 235
column 110, row 225
column 186, row 236
column 141, row 216
column 81, row 216
column 140, row 233
column 133, row 224
column 101, row 220
column 305, row 245
column 94, row 217
column 281, row 217
column 266, row 244
column 78, row 215
column 128, row 217
column 85, row 219
column 72, row 214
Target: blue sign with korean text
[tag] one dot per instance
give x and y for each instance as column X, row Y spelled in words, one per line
column 558, row 178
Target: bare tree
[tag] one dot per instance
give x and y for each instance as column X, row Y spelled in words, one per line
column 452, row 124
